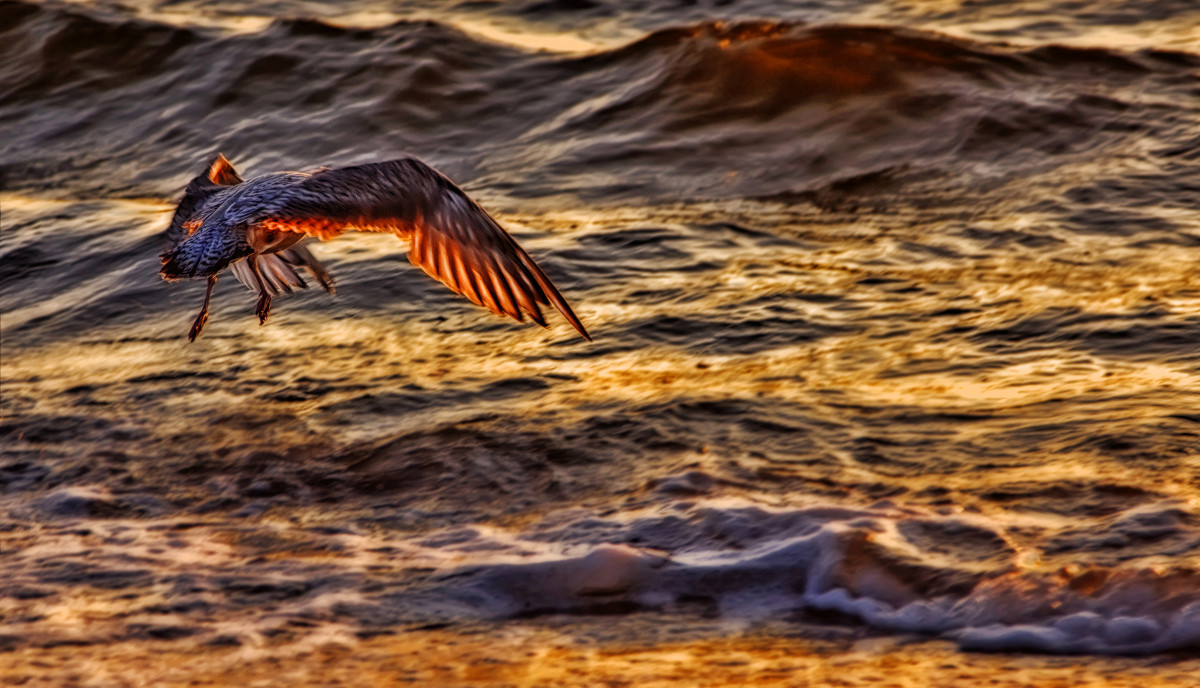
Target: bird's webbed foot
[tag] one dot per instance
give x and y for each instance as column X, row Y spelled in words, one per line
column 263, row 308
column 198, row 324
column 202, row 316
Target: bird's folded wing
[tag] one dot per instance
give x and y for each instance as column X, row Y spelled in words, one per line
column 452, row 239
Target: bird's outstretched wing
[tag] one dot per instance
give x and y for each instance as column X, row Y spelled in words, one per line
column 452, row 239
column 220, row 173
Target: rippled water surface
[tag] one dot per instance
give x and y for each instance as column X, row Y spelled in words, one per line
column 895, row 379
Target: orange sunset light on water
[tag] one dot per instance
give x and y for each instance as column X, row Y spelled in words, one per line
column 888, row 373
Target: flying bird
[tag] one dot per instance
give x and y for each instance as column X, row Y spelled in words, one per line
column 255, row 228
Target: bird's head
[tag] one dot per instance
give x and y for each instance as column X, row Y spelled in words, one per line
column 218, row 175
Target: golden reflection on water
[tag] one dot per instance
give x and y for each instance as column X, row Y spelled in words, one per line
column 523, row 37
column 884, row 350
column 1036, row 22
column 1030, row 22
column 939, row 372
column 531, row 655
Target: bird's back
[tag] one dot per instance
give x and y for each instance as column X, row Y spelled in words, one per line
column 206, row 251
column 212, row 222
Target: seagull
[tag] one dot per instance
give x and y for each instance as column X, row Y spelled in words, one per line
column 255, row 228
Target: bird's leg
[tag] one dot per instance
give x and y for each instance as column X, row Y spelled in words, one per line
column 202, row 317
column 263, row 307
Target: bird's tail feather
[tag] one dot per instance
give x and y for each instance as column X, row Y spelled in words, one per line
column 279, row 271
column 299, row 255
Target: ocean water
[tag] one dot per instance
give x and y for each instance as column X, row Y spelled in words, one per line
column 895, row 379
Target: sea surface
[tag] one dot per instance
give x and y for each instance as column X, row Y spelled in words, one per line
column 895, row 379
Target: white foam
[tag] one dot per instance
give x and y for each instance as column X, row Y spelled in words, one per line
column 832, row 560
column 743, row 563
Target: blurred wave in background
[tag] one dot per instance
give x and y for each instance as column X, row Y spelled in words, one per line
column 896, row 318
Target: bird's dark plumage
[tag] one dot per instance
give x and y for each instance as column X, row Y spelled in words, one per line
column 254, row 227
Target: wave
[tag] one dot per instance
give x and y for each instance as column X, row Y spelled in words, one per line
column 774, row 64
column 857, row 566
column 716, row 72
column 814, row 107
column 829, row 112
column 873, row 569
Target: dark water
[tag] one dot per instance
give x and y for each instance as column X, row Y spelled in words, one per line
column 896, row 319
